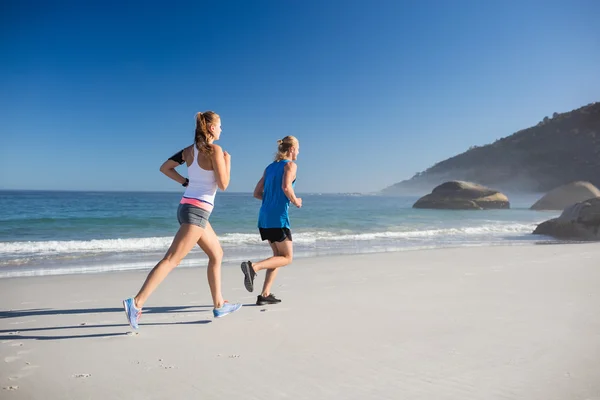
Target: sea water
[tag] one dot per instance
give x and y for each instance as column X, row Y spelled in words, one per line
column 45, row 233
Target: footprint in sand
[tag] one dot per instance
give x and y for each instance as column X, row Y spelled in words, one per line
column 10, row 359
column 11, row 388
column 165, row 366
column 81, row 376
column 16, row 345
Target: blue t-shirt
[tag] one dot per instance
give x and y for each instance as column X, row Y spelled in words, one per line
column 275, row 204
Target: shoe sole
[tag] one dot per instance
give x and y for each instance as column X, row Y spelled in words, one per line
column 248, row 281
column 266, row 303
column 127, row 314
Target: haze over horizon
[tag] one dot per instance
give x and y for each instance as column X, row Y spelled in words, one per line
column 97, row 96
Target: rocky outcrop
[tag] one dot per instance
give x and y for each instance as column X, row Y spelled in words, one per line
column 580, row 221
column 566, row 195
column 459, row 195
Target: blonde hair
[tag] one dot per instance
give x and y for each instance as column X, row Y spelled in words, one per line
column 284, row 145
column 203, row 134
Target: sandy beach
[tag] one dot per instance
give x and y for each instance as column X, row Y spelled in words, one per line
column 502, row 322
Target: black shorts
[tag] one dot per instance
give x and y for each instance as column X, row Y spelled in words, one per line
column 275, row 234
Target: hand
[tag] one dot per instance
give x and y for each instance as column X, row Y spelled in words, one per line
column 298, row 202
column 227, row 157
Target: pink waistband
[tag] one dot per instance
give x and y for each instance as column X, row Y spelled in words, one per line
column 197, row 203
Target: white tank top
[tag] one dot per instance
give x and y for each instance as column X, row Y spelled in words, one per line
column 203, row 183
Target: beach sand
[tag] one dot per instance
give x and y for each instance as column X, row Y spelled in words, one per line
column 503, row 322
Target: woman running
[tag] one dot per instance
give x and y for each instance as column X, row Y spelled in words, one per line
column 276, row 190
column 209, row 167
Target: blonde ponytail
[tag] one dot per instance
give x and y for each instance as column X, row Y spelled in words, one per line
column 284, row 145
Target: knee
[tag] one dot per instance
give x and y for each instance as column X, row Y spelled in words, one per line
column 288, row 259
column 216, row 256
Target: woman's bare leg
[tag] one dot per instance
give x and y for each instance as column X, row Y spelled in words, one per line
column 209, row 243
column 186, row 238
column 285, row 254
column 271, row 274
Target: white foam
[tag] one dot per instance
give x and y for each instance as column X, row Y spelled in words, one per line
column 21, row 250
column 85, row 246
column 486, row 230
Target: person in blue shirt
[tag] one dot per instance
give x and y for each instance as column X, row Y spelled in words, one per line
column 276, row 190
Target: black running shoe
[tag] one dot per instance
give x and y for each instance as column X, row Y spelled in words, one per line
column 270, row 299
column 249, row 275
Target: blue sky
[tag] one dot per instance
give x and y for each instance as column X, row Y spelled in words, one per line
column 96, row 95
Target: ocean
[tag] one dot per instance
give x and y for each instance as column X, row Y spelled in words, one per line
column 48, row 233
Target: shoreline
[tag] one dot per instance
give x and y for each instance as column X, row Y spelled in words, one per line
column 147, row 262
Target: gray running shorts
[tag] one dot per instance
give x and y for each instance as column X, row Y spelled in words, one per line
column 189, row 214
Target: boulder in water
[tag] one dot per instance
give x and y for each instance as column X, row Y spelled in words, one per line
column 580, row 221
column 460, row 195
column 566, row 195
